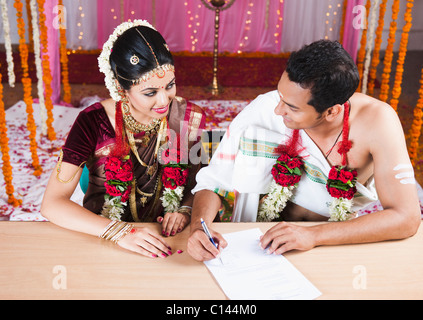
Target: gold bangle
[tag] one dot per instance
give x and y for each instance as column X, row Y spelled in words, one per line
column 185, row 209
column 108, row 229
column 116, row 230
column 122, row 233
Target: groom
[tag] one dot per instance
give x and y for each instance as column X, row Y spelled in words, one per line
column 316, row 98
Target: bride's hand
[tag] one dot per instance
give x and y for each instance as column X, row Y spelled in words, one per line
column 145, row 242
column 173, row 222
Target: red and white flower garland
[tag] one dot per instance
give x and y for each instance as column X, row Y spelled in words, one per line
column 287, row 172
column 174, row 179
column 118, row 186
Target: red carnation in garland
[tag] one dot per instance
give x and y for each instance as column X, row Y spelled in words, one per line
column 118, row 177
column 174, row 176
column 341, row 182
column 287, row 170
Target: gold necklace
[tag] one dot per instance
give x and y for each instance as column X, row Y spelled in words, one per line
column 151, row 169
column 136, row 127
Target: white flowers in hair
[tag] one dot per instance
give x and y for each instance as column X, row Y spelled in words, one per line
column 104, row 58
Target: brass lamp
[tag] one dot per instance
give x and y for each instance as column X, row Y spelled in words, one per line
column 217, row 6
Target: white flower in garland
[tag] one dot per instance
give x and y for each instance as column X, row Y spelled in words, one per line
column 172, row 198
column 274, row 202
column 8, row 43
column 340, row 209
column 104, row 58
column 38, row 66
column 113, row 208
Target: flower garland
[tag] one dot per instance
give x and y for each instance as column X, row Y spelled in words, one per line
column 287, row 172
column 174, row 179
column 51, row 134
column 26, row 82
column 362, row 51
column 396, row 90
column 369, row 45
column 118, row 186
column 376, row 51
column 341, row 186
column 415, row 130
column 341, row 29
column 8, row 44
column 4, row 148
column 104, row 58
column 38, row 64
column 67, row 96
column 387, row 61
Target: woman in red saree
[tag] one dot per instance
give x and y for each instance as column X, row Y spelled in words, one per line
column 140, row 147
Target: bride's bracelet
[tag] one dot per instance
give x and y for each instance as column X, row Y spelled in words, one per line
column 116, row 231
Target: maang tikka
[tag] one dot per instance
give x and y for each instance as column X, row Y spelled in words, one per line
column 159, row 71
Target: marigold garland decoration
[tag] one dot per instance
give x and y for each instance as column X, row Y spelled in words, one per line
column 376, row 50
column 416, row 127
column 67, row 97
column 51, row 134
column 369, row 45
column 344, row 13
column 362, row 51
column 396, row 90
column 387, row 61
column 27, row 88
column 4, row 148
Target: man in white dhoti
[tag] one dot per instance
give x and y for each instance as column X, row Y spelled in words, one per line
column 350, row 150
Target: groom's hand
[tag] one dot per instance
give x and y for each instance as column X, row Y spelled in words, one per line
column 201, row 248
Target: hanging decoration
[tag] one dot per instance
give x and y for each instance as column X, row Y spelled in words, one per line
column 362, row 51
column 389, row 53
column 369, row 45
column 7, row 44
column 396, row 90
column 29, row 18
column 38, row 64
column 51, row 135
column 27, row 88
column 376, row 51
column 67, row 96
column 344, row 14
column 4, row 148
column 416, row 127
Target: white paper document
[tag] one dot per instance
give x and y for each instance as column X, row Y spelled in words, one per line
column 247, row 272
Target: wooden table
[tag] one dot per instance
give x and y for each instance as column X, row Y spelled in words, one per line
column 39, row 260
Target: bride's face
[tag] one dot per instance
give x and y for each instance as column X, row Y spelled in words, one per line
column 151, row 99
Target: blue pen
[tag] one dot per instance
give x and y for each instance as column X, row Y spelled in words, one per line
column 207, row 232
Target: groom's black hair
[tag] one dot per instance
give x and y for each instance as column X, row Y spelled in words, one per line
column 327, row 69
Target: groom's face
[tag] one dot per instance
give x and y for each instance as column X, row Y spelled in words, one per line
column 293, row 105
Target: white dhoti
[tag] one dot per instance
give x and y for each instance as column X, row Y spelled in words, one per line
column 243, row 162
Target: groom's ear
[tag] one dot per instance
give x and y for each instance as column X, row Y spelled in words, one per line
column 333, row 112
